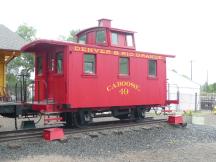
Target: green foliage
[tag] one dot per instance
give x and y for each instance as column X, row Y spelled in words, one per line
column 188, row 113
column 23, row 62
column 209, row 88
column 72, row 36
column 26, row 32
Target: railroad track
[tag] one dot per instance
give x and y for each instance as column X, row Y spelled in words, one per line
column 37, row 133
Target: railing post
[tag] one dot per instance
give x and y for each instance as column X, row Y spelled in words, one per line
column 168, row 89
column 24, row 89
column 178, row 95
column 46, row 89
column 16, row 91
column 38, row 91
column 15, row 118
column 32, row 94
column 21, row 97
column 195, row 101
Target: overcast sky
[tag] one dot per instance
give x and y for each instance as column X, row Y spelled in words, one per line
column 185, row 28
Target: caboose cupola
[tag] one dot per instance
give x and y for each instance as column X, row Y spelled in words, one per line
column 105, row 35
column 104, row 23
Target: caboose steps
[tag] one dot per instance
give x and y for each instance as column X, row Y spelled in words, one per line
column 51, row 118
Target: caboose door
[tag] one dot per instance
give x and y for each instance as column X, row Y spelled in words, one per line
column 50, row 75
column 55, row 77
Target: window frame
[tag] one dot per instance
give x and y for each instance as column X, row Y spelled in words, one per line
column 56, row 63
column 132, row 40
column 128, row 67
column 95, row 65
column 105, row 37
column 37, row 65
column 51, row 63
column 156, row 69
column 117, row 43
column 83, row 35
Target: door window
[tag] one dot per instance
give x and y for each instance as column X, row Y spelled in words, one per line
column 39, row 65
column 51, row 63
column 59, row 62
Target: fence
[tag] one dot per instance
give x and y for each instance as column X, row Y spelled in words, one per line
column 189, row 98
column 208, row 101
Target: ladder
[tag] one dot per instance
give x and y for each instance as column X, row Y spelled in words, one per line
column 51, row 118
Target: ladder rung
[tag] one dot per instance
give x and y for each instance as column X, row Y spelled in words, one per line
column 50, row 113
column 48, row 119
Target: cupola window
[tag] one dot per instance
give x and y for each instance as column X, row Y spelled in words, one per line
column 100, row 36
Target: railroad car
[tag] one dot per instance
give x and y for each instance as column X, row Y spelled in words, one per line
column 101, row 72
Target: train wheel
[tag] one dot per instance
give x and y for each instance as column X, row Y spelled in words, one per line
column 123, row 117
column 82, row 118
column 68, row 117
column 139, row 113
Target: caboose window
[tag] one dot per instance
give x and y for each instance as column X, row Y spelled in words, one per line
column 100, row 36
column 59, row 62
column 39, row 65
column 82, row 39
column 89, row 63
column 129, row 40
column 114, row 38
column 51, row 63
column 152, row 68
column 124, row 65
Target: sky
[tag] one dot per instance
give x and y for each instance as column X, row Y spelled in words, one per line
column 184, row 28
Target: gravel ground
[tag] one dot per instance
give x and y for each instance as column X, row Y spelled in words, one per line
column 152, row 143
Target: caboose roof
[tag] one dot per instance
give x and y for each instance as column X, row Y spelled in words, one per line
column 44, row 43
column 112, row 29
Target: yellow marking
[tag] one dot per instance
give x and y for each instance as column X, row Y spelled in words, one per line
column 124, row 91
column 117, row 53
column 124, row 87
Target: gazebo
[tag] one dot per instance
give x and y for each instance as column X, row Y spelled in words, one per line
column 10, row 44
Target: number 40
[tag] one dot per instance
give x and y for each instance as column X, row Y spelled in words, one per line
column 124, row 91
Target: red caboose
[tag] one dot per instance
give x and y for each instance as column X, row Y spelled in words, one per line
column 101, row 72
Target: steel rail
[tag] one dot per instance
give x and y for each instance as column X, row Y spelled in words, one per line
column 38, row 133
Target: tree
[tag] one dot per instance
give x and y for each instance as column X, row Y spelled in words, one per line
column 209, row 88
column 26, row 32
column 25, row 61
column 72, row 36
column 212, row 88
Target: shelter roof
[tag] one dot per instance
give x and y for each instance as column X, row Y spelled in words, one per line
column 9, row 40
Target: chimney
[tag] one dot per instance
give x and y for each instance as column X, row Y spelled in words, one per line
column 104, row 23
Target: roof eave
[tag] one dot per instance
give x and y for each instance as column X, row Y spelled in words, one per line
column 27, row 47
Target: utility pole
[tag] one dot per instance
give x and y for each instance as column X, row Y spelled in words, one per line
column 191, row 69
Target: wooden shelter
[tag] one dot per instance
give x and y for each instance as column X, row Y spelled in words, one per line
column 10, row 44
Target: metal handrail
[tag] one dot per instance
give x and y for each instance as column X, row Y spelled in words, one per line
column 24, row 89
column 38, row 82
column 16, row 91
column 168, row 90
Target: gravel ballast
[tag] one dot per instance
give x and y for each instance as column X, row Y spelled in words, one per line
column 159, row 142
